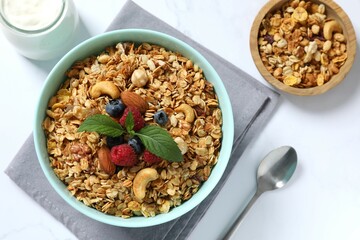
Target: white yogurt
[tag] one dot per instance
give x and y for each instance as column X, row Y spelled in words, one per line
column 39, row 29
column 32, row 15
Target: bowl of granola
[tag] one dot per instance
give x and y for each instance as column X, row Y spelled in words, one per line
column 303, row 47
column 133, row 128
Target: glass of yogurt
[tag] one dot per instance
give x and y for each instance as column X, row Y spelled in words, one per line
column 39, row 29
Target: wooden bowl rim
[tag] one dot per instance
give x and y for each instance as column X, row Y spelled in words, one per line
column 348, row 28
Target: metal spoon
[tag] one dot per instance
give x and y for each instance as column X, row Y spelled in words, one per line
column 273, row 172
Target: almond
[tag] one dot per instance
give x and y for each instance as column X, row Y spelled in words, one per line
column 131, row 99
column 105, row 160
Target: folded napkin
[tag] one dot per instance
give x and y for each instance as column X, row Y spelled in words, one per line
column 252, row 104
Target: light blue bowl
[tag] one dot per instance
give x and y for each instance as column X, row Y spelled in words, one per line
column 94, row 46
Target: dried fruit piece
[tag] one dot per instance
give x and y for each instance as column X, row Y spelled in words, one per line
column 300, row 15
column 291, row 80
column 131, row 99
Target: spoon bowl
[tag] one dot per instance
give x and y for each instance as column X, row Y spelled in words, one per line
column 277, row 168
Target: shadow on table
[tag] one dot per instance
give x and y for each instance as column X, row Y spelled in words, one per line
column 81, row 34
column 335, row 97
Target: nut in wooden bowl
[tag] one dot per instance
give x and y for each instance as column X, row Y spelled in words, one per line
column 303, row 47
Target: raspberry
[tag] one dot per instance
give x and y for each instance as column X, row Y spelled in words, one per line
column 150, row 157
column 123, row 155
column 139, row 121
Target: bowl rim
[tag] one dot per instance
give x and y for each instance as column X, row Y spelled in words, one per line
column 344, row 70
column 98, row 44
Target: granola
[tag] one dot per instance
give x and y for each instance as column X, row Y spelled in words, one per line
column 165, row 80
column 300, row 46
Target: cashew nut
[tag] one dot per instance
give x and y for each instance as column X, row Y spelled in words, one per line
column 105, row 88
column 188, row 112
column 331, row 27
column 139, row 77
column 141, row 180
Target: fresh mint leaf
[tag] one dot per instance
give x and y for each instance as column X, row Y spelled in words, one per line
column 129, row 122
column 159, row 142
column 101, row 124
column 155, row 139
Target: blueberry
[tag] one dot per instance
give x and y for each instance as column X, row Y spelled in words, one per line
column 161, row 117
column 136, row 144
column 115, row 108
column 114, row 141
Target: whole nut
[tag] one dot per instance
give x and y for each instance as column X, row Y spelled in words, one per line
column 141, row 180
column 105, row 160
column 331, row 27
column 188, row 112
column 105, row 88
column 131, row 99
column 139, row 77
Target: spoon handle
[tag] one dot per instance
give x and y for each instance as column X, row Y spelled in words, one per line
column 240, row 218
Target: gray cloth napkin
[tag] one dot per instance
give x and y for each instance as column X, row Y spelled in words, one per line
column 252, row 105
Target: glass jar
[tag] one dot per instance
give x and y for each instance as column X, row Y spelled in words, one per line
column 43, row 35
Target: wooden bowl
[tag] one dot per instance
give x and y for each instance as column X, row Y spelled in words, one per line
column 333, row 11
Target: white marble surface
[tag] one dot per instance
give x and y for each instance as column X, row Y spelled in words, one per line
column 321, row 202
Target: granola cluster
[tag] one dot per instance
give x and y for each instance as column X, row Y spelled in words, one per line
column 300, row 46
column 172, row 81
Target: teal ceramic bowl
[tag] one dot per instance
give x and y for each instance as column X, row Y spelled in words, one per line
column 94, row 46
